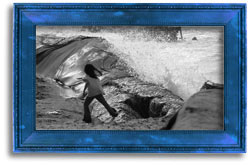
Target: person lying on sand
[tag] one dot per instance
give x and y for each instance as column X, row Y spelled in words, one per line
column 95, row 91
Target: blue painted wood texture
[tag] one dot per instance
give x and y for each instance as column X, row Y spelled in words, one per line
column 28, row 16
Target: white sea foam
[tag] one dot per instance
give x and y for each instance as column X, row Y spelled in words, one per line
column 181, row 66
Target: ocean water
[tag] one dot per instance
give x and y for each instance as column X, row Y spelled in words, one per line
column 182, row 66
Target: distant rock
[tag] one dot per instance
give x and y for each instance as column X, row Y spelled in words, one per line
column 202, row 111
column 194, row 39
column 211, row 85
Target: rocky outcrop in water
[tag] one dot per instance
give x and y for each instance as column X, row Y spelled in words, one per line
column 137, row 98
column 137, row 101
column 202, row 111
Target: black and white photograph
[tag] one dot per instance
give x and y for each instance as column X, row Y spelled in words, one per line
column 129, row 77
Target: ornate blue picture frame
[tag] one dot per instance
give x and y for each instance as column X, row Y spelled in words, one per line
column 230, row 140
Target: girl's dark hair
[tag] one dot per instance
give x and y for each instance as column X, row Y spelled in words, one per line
column 90, row 71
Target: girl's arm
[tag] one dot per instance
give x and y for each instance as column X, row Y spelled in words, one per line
column 83, row 93
column 85, row 87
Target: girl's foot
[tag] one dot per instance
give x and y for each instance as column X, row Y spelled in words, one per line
column 114, row 113
column 86, row 120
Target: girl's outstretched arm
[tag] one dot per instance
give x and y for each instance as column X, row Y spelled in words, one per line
column 85, row 87
column 83, row 93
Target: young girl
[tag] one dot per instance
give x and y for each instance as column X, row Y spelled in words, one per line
column 95, row 91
